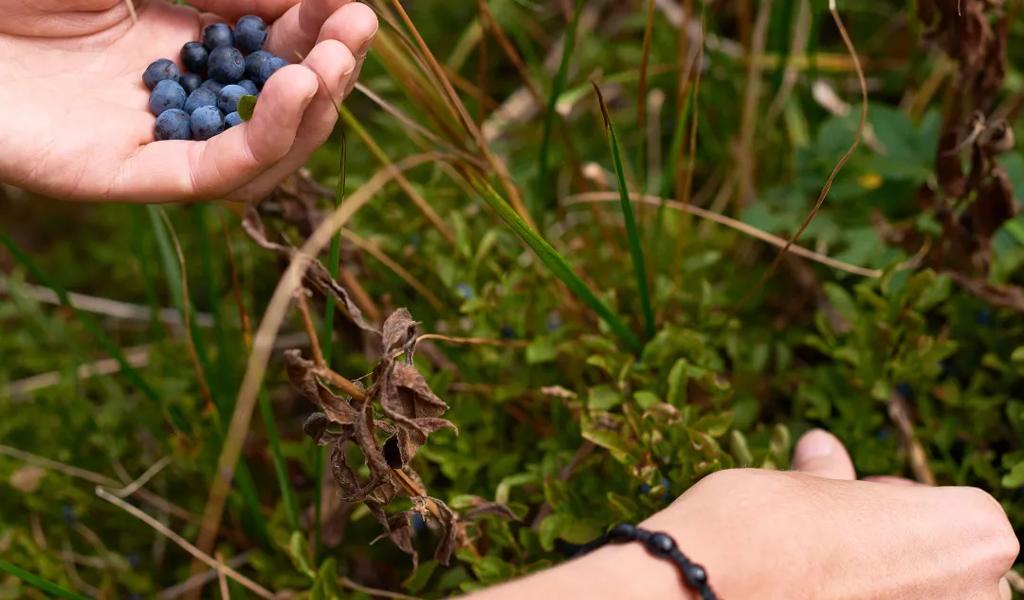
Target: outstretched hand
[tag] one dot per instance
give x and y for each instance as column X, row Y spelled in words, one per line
column 76, row 123
column 812, row 533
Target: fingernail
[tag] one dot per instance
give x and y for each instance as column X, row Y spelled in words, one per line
column 814, row 444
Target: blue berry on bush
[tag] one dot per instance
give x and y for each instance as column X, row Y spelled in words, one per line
column 194, row 56
column 173, row 124
column 250, row 33
column 213, row 86
column 199, row 98
column 190, row 82
column 228, row 99
column 166, row 95
column 226, row 65
column 161, row 70
column 218, row 35
column 250, row 87
column 206, row 122
column 233, row 119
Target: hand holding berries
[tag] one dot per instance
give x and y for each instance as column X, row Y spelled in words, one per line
column 92, row 141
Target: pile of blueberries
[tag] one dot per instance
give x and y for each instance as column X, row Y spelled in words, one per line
column 225, row 66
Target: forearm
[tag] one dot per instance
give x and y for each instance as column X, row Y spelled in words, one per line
column 615, row 572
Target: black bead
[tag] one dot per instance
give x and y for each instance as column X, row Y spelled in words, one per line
column 623, row 532
column 696, row 574
column 660, row 543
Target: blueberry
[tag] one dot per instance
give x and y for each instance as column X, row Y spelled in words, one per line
column 227, row 65
column 190, row 82
column 213, row 86
column 268, row 68
column 206, row 122
column 160, row 70
column 194, row 56
column 233, row 119
column 201, row 97
column 250, row 33
column 173, row 125
column 218, row 35
column 227, row 100
column 166, row 95
column 253, row 63
column 250, row 87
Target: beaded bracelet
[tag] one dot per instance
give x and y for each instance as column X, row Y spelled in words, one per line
column 661, row 545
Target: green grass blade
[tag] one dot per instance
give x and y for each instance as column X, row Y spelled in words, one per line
column 636, row 249
column 38, row 582
column 291, row 507
column 557, row 87
column 86, row 320
column 327, row 337
column 557, row 264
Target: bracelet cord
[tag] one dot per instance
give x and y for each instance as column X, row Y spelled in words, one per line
column 661, row 545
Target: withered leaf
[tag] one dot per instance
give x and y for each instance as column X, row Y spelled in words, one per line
column 301, row 373
column 416, row 411
column 317, row 274
column 483, row 508
column 399, row 333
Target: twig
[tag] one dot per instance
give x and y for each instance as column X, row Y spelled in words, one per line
column 607, row 197
column 899, row 412
column 103, row 306
column 222, row 581
column 345, row 581
column 201, row 578
column 249, row 584
column 137, row 357
column 150, row 473
column 302, row 302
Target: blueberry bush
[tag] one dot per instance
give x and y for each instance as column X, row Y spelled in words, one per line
column 553, row 298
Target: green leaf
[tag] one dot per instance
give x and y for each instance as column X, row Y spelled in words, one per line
column 603, row 397
column 246, row 106
column 541, row 350
column 566, row 527
column 1015, row 478
column 420, row 577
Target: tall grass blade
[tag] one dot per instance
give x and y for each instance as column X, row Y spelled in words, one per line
column 632, row 233
column 557, row 264
column 38, row 582
column 557, row 87
column 327, row 337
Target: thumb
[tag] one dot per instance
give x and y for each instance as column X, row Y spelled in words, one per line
column 820, row 453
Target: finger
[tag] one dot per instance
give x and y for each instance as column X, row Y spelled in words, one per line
column 232, row 9
column 179, row 170
column 295, row 33
column 891, row 480
column 1005, row 593
column 354, row 25
column 821, row 453
column 335, row 67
